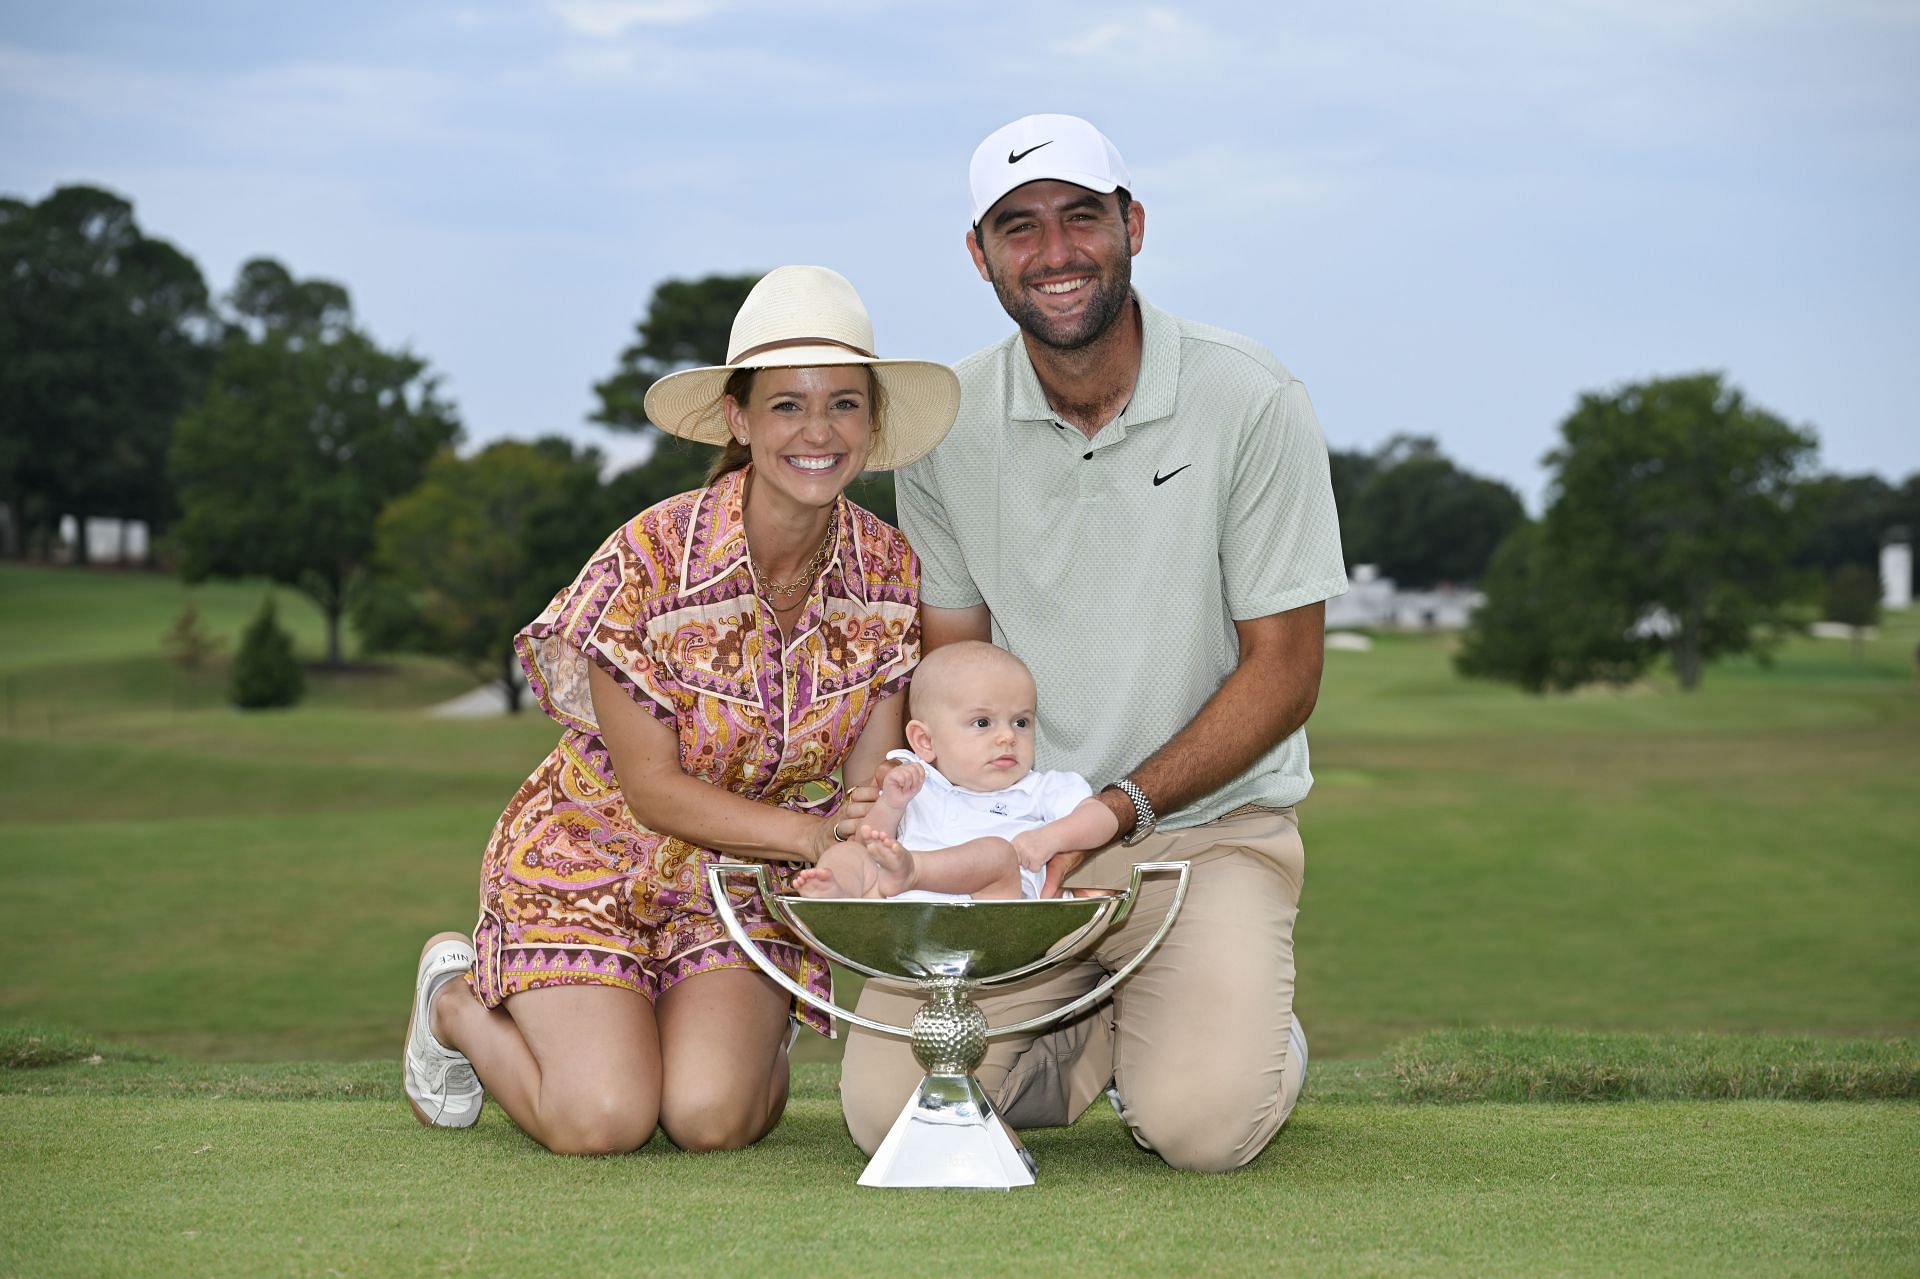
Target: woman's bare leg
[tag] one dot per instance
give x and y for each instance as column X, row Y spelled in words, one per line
column 577, row 1067
column 723, row 1043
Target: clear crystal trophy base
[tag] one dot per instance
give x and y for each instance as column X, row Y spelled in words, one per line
column 948, row 1134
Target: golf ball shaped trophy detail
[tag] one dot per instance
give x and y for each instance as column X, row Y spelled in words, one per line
column 948, row 1134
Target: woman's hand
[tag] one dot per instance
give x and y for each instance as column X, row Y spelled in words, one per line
column 859, row 801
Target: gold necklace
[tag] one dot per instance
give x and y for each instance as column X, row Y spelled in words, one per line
column 778, row 592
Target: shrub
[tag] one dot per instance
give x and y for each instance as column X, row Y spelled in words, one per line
column 265, row 673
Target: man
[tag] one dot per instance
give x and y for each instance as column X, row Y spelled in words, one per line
column 1139, row 508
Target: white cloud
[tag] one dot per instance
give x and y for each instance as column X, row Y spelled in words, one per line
column 1152, row 37
column 606, row 19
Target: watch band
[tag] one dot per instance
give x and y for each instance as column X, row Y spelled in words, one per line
column 1144, row 818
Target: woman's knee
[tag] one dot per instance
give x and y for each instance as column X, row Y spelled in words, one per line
column 600, row 1124
column 710, row 1119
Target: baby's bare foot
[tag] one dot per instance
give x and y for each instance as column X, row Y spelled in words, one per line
column 821, row 881
column 892, row 864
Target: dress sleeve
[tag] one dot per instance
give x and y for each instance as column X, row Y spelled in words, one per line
column 601, row 618
column 894, row 676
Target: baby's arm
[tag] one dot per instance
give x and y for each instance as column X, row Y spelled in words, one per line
column 897, row 789
column 1089, row 825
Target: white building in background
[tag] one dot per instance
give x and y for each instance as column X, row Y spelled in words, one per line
column 1896, row 569
column 1375, row 601
column 109, row 540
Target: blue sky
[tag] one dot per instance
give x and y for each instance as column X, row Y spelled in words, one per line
column 1447, row 219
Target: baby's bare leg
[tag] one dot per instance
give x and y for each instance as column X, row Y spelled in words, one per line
column 845, row 870
column 895, row 870
column 986, row 868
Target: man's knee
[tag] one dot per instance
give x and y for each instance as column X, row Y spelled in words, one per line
column 1198, row 1128
column 871, row 1094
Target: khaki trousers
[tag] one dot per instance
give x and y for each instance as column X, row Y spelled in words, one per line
column 1195, row 1041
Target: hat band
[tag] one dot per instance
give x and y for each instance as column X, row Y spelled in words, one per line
column 764, row 347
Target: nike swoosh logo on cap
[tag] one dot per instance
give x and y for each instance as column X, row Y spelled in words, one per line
column 1015, row 157
column 1159, row 479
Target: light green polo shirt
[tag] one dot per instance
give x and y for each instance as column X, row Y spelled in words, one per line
column 1116, row 568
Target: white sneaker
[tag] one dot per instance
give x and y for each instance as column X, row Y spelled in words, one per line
column 440, row 1083
column 1296, row 1079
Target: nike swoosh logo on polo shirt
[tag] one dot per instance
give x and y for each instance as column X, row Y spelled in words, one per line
column 1015, row 157
column 1159, row 479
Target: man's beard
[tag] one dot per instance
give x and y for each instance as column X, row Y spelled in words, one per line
column 1109, row 299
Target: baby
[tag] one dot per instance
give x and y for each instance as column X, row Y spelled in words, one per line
column 964, row 814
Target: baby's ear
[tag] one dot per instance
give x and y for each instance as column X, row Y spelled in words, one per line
column 920, row 739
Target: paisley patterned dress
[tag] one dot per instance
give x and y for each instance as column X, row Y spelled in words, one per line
column 574, row 889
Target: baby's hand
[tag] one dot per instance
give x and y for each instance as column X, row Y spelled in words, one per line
column 902, row 784
column 1033, row 849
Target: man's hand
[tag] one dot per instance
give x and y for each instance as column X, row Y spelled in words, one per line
column 1058, row 868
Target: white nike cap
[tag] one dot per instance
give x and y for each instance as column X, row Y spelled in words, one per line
column 1034, row 148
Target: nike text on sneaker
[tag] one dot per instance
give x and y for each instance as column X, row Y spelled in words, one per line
column 1159, row 479
column 439, row 1082
column 1015, row 157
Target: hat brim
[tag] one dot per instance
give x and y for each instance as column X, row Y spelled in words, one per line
column 922, row 398
column 1091, row 181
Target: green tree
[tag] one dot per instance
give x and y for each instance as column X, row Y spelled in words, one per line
column 1541, row 629
column 266, row 298
column 1350, row 469
column 482, row 545
column 105, row 337
column 1422, row 519
column 1672, row 525
column 265, row 672
column 1849, row 516
column 303, row 435
column 687, row 324
column 1853, row 599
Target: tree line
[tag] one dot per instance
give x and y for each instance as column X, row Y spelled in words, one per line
column 265, row 432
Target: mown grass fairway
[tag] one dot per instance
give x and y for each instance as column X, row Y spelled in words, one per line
column 247, row 1187
column 253, row 888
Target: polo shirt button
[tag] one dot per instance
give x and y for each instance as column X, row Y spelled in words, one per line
column 1086, row 457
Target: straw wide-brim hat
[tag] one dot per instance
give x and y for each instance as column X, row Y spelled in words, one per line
column 804, row 317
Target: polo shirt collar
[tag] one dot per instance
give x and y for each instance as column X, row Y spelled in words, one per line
column 1156, row 388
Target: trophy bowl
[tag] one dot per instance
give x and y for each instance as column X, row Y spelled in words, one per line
column 949, row 1133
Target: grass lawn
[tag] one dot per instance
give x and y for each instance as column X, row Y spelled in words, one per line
column 1611, row 873
column 234, row 1185
column 1744, row 859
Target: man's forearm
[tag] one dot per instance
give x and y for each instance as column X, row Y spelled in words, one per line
column 1268, row 696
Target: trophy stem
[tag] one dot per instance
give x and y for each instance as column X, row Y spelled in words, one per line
column 949, row 1031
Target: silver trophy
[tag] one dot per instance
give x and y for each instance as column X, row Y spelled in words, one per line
column 949, row 1134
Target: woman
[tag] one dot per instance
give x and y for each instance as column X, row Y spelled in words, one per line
column 714, row 664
